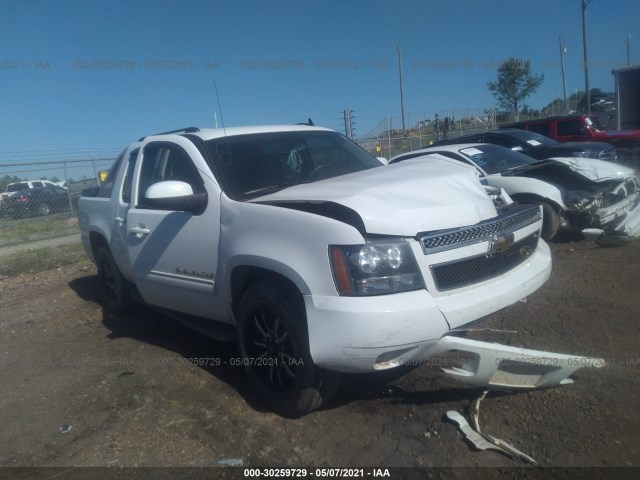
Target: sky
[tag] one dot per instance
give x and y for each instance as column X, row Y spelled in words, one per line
column 90, row 77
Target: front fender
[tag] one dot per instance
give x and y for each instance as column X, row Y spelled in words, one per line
column 521, row 186
column 292, row 243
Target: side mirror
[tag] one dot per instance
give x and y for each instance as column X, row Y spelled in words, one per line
column 175, row 195
column 383, row 160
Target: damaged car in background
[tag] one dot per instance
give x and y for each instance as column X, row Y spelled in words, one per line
column 599, row 198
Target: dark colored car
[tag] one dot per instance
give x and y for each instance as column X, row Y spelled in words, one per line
column 537, row 146
column 39, row 201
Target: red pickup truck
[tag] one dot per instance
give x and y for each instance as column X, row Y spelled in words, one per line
column 582, row 128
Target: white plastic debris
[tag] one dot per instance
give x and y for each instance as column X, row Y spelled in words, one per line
column 483, row 441
column 231, row 462
column 65, row 428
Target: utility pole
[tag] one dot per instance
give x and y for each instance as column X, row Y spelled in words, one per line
column 348, row 123
column 563, row 50
column 401, row 88
column 627, row 40
column 586, row 55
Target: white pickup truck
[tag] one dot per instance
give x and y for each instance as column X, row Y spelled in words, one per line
column 298, row 244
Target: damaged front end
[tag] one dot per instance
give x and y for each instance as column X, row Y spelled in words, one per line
column 607, row 209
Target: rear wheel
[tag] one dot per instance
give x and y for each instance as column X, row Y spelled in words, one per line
column 114, row 285
column 44, row 209
column 272, row 337
column 550, row 221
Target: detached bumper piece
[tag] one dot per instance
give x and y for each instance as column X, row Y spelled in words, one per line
column 620, row 232
column 504, row 367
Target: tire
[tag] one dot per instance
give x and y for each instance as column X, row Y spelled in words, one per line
column 43, row 209
column 115, row 288
column 273, row 343
column 550, row 222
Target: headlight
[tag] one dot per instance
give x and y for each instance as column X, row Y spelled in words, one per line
column 585, row 154
column 375, row 268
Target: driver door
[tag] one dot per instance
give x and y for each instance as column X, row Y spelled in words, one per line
column 174, row 254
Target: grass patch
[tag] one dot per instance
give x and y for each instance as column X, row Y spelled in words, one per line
column 32, row 261
column 13, row 232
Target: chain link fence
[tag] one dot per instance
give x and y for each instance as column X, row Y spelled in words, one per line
column 39, row 199
column 391, row 136
column 388, row 138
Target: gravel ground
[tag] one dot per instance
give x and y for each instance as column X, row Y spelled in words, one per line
column 82, row 387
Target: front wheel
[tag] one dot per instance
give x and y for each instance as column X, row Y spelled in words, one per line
column 550, row 222
column 272, row 337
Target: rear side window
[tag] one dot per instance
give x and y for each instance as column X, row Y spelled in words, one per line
column 16, row 187
column 107, row 186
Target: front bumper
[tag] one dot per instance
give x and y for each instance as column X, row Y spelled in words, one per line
column 500, row 366
column 617, row 224
column 624, row 215
column 364, row 334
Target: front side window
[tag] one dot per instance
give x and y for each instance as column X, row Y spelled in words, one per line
column 164, row 161
column 248, row 166
column 568, row 128
column 541, row 128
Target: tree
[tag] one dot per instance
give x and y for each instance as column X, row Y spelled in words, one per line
column 515, row 83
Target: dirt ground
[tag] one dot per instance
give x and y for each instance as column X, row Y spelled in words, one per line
column 81, row 387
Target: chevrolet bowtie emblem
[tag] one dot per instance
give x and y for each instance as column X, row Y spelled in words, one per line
column 500, row 243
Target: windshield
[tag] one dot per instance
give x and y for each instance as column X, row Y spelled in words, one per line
column 249, row 166
column 533, row 139
column 495, row 159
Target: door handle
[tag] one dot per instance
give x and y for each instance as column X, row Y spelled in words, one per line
column 140, row 230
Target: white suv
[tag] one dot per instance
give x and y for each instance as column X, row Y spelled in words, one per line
column 299, row 245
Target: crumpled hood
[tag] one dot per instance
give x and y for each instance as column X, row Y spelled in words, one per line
column 401, row 199
column 596, row 170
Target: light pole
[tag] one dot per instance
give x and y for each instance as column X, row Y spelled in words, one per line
column 563, row 50
column 586, row 55
column 401, row 88
column 628, row 42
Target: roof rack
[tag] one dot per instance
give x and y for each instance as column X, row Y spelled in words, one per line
column 180, row 130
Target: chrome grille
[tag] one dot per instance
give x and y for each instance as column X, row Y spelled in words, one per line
column 460, row 273
column 519, row 217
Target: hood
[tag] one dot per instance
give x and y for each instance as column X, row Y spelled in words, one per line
column 581, row 146
column 595, row 170
column 402, row 199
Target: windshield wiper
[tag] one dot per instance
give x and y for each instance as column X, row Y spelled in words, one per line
column 269, row 189
column 272, row 188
